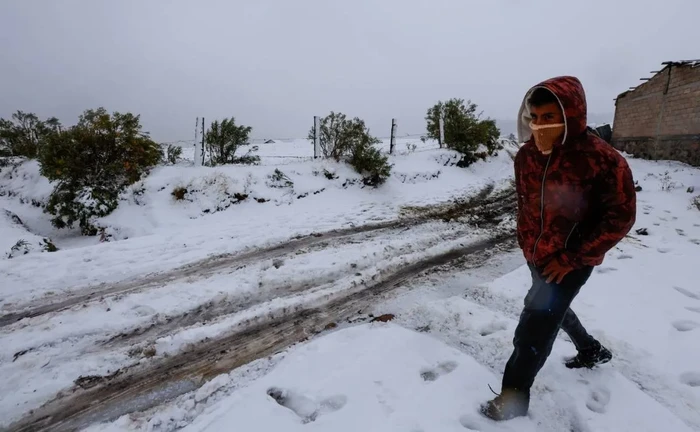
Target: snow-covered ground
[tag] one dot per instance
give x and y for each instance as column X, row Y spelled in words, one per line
column 382, row 377
column 159, row 232
column 428, row 369
column 153, row 233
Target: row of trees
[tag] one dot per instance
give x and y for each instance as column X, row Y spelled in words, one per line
column 464, row 131
column 93, row 161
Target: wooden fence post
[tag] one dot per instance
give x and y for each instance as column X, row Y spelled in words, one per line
column 196, row 143
column 203, row 134
column 441, row 140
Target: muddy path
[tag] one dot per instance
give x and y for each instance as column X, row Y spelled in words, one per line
column 155, row 382
column 487, row 212
column 409, row 217
column 215, row 309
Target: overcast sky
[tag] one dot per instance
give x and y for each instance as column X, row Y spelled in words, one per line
column 274, row 64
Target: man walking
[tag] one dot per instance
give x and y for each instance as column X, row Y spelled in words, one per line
column 576, row 201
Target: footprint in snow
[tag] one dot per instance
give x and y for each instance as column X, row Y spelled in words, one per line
column 685, row 325
column 384, row 397
column 469, row 423
column 443, row 368
column 603, row 270
column 695, row 241
column 305, row 407
column 693, row 309
column 598, row 400
column 680, row 232
column 492, row 328
column 663, row 250
column 687, row 293
column 691, row 379
column 143, row 310
column 624, row 257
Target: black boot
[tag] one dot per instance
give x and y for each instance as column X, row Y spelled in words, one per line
column 509, row 404
column 590, row 357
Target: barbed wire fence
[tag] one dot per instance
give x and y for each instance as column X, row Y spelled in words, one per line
column 414, row 142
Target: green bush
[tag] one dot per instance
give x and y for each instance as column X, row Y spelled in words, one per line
column 464, row 130
column 350, row 141
column 279, row 180
column 368, row 161
column 224, row 138
column 248, row 158
column 25, row 134
column 173, row 153
column 92, row 162
column 339, row 135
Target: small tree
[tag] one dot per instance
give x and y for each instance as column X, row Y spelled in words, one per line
column 464, row 129
column 224, row 138
column 370, row 163
column 25, row 134
column 339, row 135
column 92, row 162
column 173, row 154
column 350, row 141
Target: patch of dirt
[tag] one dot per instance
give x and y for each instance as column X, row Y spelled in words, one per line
column 383, row 318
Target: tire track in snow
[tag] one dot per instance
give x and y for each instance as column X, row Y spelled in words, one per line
column 140, row 336
column 210, row 266
column 198, row 270
column 397, row 243
column 213, row 310
column 210, row 311
column 156, row 382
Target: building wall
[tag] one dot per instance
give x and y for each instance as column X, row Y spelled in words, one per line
column 654, row 123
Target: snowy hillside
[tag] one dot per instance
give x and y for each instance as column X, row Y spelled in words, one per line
column 206, row 310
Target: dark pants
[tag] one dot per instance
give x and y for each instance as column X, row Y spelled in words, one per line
column 546, row 310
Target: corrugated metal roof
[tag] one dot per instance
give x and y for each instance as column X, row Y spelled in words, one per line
column 691, row 63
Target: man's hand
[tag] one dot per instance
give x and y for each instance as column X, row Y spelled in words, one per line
column 555, row 271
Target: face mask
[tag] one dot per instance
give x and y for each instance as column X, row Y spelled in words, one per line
column 547, row 135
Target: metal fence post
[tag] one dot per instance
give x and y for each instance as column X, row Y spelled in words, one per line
column 317, row 137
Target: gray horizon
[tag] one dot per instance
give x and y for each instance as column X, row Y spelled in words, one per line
column 275, row 64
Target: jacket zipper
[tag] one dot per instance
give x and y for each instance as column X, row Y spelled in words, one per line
column 566, row 243
column 544, row 178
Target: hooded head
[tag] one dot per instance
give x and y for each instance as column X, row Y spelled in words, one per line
column 569, row 93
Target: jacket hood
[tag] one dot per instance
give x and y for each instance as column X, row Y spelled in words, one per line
column 572, row 99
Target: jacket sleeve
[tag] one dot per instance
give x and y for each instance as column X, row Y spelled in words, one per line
column 519, row 195
column 619, row 209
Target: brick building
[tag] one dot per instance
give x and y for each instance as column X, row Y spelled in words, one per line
column 660, row 119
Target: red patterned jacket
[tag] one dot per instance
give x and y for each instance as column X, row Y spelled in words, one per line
column 579, row 201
